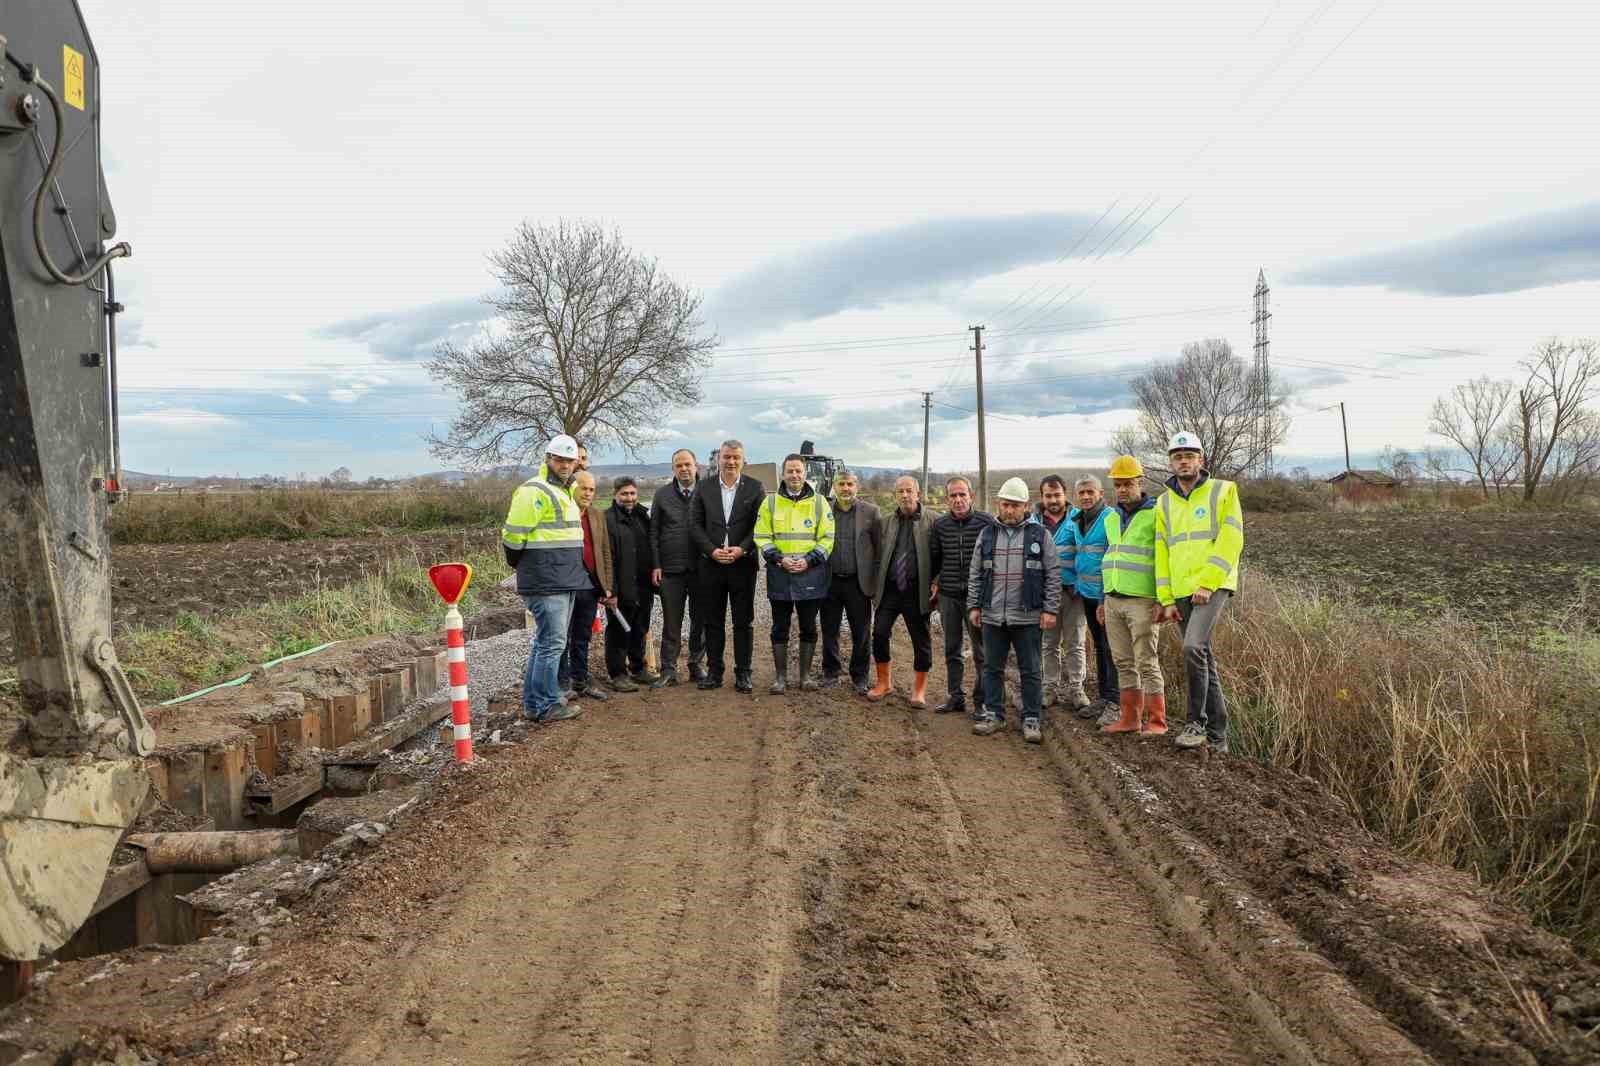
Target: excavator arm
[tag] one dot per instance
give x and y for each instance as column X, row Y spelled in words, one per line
column 71, row 779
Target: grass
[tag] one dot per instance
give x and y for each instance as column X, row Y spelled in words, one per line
column 295, row 514
column 1480, row 754
column 194, row 652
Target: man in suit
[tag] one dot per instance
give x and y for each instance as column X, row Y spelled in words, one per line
column 674, row 560
column 852, row 569
column 722, row 524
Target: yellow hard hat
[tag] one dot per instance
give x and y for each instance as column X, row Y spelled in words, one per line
column 1126, row 466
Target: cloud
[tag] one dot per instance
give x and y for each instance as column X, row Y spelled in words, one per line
column 1549, row 248
column 296, row 397
column 348, row 393
column 178, row 418
column 885, row 266
column 413, row 333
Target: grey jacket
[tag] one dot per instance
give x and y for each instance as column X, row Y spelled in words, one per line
column 868, row 530
column 1010, row 564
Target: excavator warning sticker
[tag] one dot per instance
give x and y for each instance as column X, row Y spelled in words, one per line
column 72, row 76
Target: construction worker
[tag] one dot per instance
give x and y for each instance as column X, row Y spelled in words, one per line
column 1199, row 538
column 950, row 545
column 673, row 554
column 722, row 523
column 852, row 567
column 1051, row 512
column 794, row 534
column 1014, row 593
column 1085, row 537
column 904, row 589
column 586, row 603
column 1129, row 611
column 543, row 542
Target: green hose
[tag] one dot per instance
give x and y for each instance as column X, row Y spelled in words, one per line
column 247, row 677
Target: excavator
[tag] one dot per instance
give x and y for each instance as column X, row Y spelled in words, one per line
column 71, row 731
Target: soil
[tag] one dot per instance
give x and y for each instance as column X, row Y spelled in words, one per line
column 1518, row 568
column 683, row 876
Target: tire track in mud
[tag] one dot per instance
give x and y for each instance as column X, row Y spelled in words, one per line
column 1089, row 941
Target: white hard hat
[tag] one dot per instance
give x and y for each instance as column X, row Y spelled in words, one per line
column 1184, row 441
column 1015, row 489
column 562, row 447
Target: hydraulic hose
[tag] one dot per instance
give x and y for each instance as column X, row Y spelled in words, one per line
column 117, row 250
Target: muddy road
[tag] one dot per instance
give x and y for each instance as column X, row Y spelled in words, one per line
column 774, row 882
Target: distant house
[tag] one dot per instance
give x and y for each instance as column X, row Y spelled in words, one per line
column 1364, row 479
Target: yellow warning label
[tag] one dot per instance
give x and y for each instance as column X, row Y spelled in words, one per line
column 72, row 76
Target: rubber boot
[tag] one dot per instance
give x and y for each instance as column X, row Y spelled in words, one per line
column 1131, row 707
column 780, row 669
column 1155, row 722
column 884, row 685
column 808, row 652
column 919, row 689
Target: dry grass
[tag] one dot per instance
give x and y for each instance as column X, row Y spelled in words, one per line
column 293, row 514
column 1459, row 748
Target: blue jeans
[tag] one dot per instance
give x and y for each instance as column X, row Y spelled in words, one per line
column 552, row 614
column 998, row 643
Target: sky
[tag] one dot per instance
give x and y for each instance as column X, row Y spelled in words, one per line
column 312, row 192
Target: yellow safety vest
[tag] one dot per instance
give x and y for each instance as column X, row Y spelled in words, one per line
column 796, row 527
column 1198, row 540
column 545, row 524
column 1130, row 560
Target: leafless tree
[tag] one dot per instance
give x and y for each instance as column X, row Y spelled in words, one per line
column 1400, row 464
column 1210, row 391
column 591, row 339
column 1563, row 376
column 1473, row 417
column 341, row 476
column 1574, row 466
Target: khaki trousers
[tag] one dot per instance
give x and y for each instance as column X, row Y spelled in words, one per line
column 1134, row 640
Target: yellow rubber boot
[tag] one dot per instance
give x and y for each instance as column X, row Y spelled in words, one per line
column 1132, row 709
column 884, row 685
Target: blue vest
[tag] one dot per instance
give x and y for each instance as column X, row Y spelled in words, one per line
column 1033, row 536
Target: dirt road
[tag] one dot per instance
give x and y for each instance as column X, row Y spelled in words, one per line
column 798, row 880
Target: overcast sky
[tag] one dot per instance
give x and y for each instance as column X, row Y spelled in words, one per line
column 311, row 191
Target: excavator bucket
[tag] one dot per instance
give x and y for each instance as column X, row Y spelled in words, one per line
column 59, row 822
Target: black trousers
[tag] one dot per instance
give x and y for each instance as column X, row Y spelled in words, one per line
column 574, row 667
column 1105, row 668
column 846, row 600
column 954, row 620
column 678, row 593
column 783, row 610
column 897, row 605
column 724, row 589
column 625, row 651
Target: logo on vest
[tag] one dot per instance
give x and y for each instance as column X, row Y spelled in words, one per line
column 1199, row 512
column 1034, row 547
column 807, row 523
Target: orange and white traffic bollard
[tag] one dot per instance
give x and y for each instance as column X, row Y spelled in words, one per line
column 451, row 581
column 455, row 639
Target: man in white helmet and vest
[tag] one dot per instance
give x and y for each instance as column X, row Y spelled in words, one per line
column 543, row 542
column 1199, row 538
column 1014, row 593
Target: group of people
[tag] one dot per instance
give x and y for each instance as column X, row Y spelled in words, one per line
column 1040, row 582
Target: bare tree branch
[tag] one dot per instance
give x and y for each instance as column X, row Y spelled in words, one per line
column 1473, row 417
column 592, row 339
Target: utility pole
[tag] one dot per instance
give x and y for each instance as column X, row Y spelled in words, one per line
column 1263, row 372
column 1346, row 427
column 982, row 502
column 927, row 405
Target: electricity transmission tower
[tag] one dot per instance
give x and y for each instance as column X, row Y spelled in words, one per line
column 1263, row 374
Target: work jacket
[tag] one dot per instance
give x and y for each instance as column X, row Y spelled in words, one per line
column 629, row 535
column 1130, row 559
column 671, row 547
column 1015, row 574
column 543, row 538
column 791, row 526
column 1199, row 538
column 951, row 542
column 1081, row 543
column 889, row 540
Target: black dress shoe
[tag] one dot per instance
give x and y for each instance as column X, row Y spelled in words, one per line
column 708, row 682
column 742, row 682
column 666, row 680
column 696, row 673
column 832, row 682
column 955, row 702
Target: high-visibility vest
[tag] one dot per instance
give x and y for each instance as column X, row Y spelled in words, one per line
column 545, row 525
column 1129, row 568
column 1088, row 553
column 801, row 526
column 1199, row 539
